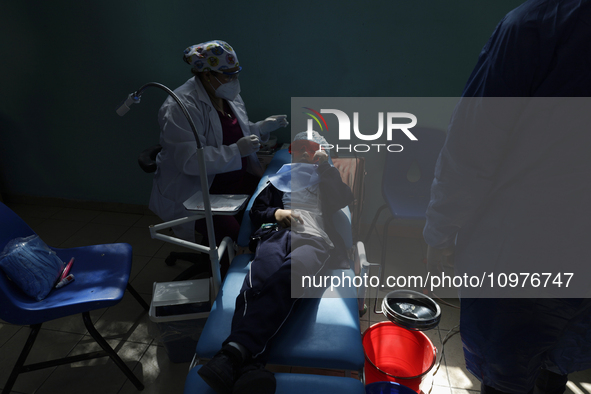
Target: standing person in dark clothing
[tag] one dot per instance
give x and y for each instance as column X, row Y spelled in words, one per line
column 511, row 196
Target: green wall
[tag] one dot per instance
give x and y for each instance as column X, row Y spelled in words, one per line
column 65, row 66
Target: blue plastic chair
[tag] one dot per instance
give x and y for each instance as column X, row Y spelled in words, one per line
column 407, row 179
column 102, row 275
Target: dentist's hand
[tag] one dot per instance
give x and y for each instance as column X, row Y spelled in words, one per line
column 272, row 123
column 248, row 145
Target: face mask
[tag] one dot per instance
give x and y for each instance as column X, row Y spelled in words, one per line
column 228, row 91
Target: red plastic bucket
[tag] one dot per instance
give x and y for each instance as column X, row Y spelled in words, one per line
column 395, row 354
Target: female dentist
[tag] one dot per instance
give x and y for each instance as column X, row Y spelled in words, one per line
column 230, row 141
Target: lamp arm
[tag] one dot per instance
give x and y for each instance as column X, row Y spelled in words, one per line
column 172, row 94
column 213, row 253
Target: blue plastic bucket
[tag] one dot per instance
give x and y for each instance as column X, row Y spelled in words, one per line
column 387, row 388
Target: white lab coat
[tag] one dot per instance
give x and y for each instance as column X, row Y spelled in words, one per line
column 177, row 177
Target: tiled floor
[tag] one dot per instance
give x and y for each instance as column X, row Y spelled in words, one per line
column 129, row 330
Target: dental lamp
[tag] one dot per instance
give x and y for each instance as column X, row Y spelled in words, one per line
column 212, row 250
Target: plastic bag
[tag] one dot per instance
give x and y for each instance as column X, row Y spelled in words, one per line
column 31, row 265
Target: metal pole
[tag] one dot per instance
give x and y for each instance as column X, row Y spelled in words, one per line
column 213, row 255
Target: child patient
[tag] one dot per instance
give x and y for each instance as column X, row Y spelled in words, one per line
column 293, row 217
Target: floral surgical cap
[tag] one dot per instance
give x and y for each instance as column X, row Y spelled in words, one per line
column 212, row 55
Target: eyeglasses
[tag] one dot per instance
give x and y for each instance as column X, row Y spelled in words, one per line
column 228, row 76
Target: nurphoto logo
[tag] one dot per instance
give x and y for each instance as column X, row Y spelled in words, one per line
column 391, row 119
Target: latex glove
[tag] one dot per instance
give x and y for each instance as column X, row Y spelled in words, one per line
column 285, row 217
column 272, row 123
column 440, row 260
column 248, row 145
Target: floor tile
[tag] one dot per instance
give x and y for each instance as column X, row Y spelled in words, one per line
column 126, row 321
column 437, row 390
column 94, row 234
column 459, row 377
column 7, row 331
column 117, row 218
column 141, row 241
column 26, row 211
column 579, row 383
column 578, row 388
column 147, row 220
column 48, row 346
column 73, row 324
column 99, row 375
column 156, row 270
column 54, row 232
column 581, row 376
column 33, row 222
column 158, row 374
column 137, row 265
column 401, row 254
column 438, row 374
column 364, row 325
column 450, row 313
column 77, row 214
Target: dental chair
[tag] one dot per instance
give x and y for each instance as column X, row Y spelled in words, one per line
column 321, row 332
column 289, row 383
